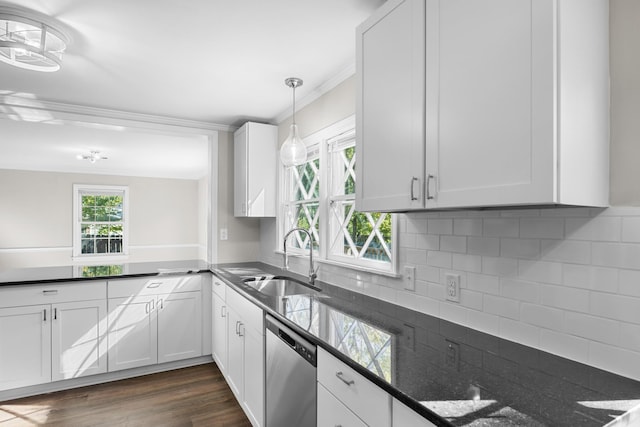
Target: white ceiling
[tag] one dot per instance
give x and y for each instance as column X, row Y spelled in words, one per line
column 213, row 61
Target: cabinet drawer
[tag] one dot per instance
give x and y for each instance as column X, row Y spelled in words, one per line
column 250, row 313
column 365, row 399
column 331, row 412
column 52, row 293
column 405, row 416
column 153, row 285
column 219, row 287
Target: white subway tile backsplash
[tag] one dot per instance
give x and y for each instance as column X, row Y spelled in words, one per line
column 540, row 271
column 630, row 282
column 539, row 315
column 620, row 255
column 602, row 229
column 520, row 290
column 631, row 229
column 520, row 248
column 502, row 307
column 572, row 299
column 485, row 246
column 600, row 279
column 559, row 343
column 440, row 226
column 501, row 227
column 467, row 226
column 471, row 263
column 566, row 280
column 572, row 251
column 453, row 244
column 592, row 328
column 542, row 228
column 619, row 307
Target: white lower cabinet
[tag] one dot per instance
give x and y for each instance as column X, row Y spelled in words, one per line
column 332, row 412
column 78, row 350
column 244, row 369
column 365, row 400
column 51, row 332
column 25, row 352
column 219, row 318
column 154, row 321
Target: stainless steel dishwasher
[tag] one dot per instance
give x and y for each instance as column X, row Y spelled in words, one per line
column 291, row 377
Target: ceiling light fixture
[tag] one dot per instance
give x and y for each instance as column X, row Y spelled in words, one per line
column 93, row 156
column 28, row 42
column 293, row 151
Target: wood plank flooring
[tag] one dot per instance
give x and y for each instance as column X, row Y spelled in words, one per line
column 196, row 396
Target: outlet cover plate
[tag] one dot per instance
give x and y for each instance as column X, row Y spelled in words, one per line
column 452, row 287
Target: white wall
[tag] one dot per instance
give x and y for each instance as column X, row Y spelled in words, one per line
column 36, row 217
column 563, row 280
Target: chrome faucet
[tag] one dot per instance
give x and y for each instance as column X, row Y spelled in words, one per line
column 312, row 271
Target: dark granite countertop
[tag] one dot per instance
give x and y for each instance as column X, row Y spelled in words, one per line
column 450, row 374
column 25, row 276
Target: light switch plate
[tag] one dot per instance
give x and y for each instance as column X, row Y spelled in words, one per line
column 409, row 277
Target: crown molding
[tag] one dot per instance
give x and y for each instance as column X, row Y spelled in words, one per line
column 26, row 108
column 318, row 91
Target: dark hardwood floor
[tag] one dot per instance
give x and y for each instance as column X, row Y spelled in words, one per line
column 197, row 396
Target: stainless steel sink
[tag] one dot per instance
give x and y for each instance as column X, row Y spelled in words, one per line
column 280, row 286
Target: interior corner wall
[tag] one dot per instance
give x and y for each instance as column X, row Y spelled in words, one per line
column 243, row 243
column 36, row 217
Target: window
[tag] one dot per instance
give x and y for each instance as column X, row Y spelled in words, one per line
column 320, row 196
column 100, row 220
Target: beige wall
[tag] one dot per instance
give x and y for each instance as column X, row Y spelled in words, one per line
column 625, row 102
column 36, row 217
column 243, row 243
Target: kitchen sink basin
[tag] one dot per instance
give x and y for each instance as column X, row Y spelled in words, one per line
column 280, row 286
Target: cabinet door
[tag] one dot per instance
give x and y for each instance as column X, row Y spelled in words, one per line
column 235, row 359
column 25, row 346
column 132, row 332
column 253, row 400
column 219, row 339
column 179, row 326
column 331, row 412
column 78, row 344
column 240, row 172
column 490, row 102
column 390, row 139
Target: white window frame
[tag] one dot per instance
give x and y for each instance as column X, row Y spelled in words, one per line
column 319, row 142
column 78, row 190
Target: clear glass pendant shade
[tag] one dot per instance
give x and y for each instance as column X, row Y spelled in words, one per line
column 293, row 151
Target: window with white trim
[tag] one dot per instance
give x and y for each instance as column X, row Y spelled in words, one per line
column 320, row 196
column 100, row 220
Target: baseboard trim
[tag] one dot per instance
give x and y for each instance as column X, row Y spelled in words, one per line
column 33, row 390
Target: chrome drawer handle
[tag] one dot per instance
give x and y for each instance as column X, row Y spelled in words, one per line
column 223, row 311
column 154, row 285
column 50, row 292
column 413, row 197
column 340, row 376
column 429, row 178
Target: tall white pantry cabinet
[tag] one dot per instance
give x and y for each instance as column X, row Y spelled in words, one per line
column 475, row 103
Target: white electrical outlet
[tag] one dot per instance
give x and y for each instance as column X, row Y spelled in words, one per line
column 452, row 287
column 409, row 278
column 224, row 234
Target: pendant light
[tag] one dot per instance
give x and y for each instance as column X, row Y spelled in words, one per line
column 293, row 151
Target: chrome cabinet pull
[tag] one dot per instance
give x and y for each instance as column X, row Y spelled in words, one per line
column 223, row 311
column 45, row 315
column 340, row 376
column 154, row 285
column 153, row 304
column 55, row 314
column 413, row 180
column 237, row 326
column 161, row 304
column 429, row 196
column 50, row 292
column 146, row 308
column 217, row 283
column 240, row 330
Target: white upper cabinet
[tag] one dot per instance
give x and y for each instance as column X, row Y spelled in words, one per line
column 516, row 105
column 255, row 150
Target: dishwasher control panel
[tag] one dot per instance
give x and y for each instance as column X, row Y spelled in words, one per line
column 300, row 345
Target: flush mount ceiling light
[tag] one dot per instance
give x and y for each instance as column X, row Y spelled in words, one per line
column 26, row 41
column 293, row 151
column 93, row 156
